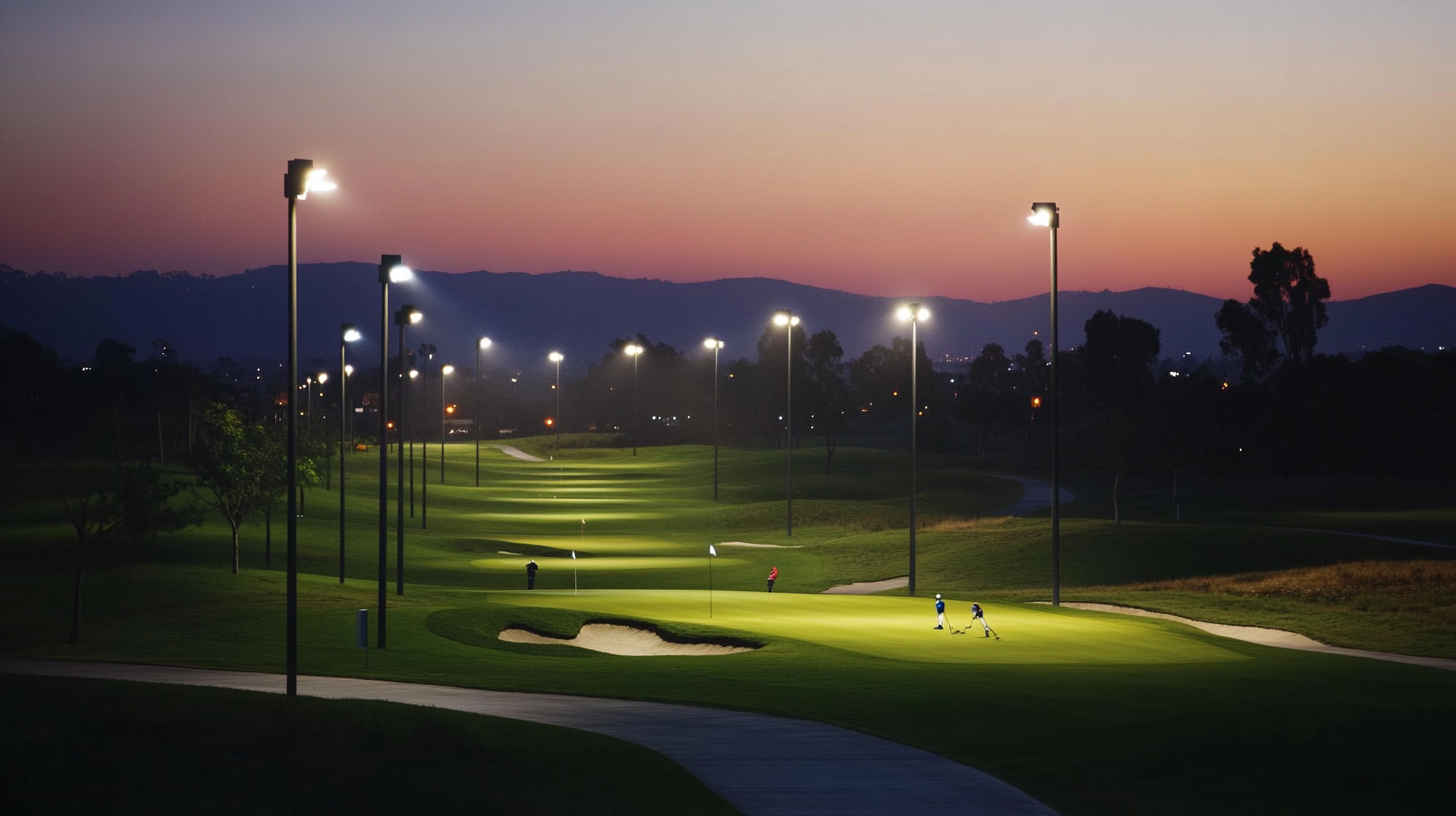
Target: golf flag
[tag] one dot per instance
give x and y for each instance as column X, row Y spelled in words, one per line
column 573, row 555
column 713, row 551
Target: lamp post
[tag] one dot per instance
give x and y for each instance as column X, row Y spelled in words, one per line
column 716, row 346
column 445, row 371
column 556, row 357
column 481, row 345
column 348, row 333
column 913, row 314
column 320, row 379
column 404, row 317
column 1046, row 214
column 301, row 179
column 391, row 270
column 788, row 320
column 635, row 352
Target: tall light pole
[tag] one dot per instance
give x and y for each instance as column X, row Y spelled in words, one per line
column 406, row 316
column 391, row 270
column 635, row 352
column 788, row 320
column 445, row 371
column 556, row 357
column 716, row 346
column 320, row 379
column 348, row 333
column 913, row 314
column 427, row 350
column 301, row 179
column 480, row 345
column 1046, row 214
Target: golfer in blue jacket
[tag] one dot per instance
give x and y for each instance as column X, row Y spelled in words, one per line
column 939, row 612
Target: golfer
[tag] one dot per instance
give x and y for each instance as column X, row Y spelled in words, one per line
column 773, row 575
column 531, row 574
column 979, row 614
column 939, row 612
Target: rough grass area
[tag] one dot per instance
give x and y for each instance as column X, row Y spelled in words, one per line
column 71, row 746
column 1408, row 607
column 1405, row 584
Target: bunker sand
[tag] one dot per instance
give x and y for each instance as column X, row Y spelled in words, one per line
column 616, row 639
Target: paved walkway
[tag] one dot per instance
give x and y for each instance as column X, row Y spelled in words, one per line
column 1036, row 495
column 1373, row 536
column 517, row 453
column 1277, row 638
column 760, row 764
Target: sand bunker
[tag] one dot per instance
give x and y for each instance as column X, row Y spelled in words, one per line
column 1277, row 638
column 869, row 587
column 616, row 639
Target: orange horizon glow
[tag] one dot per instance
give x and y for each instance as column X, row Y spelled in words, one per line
column 890, row 153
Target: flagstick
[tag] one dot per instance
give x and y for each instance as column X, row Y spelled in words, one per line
column 710, row 585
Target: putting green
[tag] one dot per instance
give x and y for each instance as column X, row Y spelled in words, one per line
column 594, row 564
column 902, row 628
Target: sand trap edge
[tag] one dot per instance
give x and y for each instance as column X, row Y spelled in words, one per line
column 622, row 640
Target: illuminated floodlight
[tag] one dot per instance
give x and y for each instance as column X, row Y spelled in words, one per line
column 447, row 370
column 484, row 343
column 632, row 349
column 556, row 357
column 713, row 344
column 399, row 273
column 349, row 370
column 785, row 319
column 352, row 335
column 1044, row 214
column 414, row 374
column 323, row 377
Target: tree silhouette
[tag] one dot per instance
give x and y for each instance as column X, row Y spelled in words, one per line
column 828, row 393
column 1119, row 353
column 1287, row 310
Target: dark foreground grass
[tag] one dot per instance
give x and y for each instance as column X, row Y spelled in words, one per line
column 88, row 746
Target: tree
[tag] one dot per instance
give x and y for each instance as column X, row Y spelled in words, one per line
column 828, row 394
column 126, row 506
column 1287, row 309
column 1119, row 354
column 235, row 462
column 988, row 381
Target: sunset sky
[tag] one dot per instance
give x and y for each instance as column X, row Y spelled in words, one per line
column 884, row 148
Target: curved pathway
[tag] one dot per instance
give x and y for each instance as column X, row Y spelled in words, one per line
column 760, row 764
column 1277, row 638
column 1036, row 495
column 517, row 453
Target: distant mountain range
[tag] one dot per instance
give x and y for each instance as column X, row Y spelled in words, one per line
column 243, row 316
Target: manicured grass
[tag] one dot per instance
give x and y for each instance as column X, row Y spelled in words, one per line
column 1093, row 713
column 74, row 744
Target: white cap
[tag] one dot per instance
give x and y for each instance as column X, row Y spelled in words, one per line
column 937, row 596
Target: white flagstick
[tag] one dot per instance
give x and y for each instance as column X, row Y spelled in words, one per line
column 712, row 553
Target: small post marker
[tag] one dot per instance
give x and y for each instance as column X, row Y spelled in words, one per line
column 573, row 572
column 361, row 621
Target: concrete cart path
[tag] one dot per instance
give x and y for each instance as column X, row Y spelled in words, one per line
column 1036, row 495
column 1277, row 638
column 517, row 453
column 760, row 764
